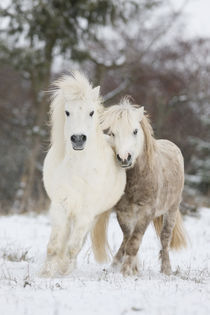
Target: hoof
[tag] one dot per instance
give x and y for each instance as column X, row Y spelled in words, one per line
column 48, row 271
column 130, row 266
column 57, row 267
column 66, row 267
column 166, row 270
column 116, row 265
column 129, row 271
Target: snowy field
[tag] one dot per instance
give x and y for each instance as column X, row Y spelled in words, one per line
column 94, row 289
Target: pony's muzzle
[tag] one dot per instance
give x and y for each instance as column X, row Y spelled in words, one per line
column 125, row 162
column 78, row 141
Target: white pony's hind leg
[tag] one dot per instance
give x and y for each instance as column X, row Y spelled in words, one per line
column 55, row 260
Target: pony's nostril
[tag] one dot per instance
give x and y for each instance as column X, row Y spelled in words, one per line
column 84, row 137
column 129, row 157
column 119, row 158
column 78, row 138
column 73, row 138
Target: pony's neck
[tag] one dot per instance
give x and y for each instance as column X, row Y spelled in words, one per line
column 146, row 157
column 143, row 161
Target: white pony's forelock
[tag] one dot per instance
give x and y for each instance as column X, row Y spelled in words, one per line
column 73, row 86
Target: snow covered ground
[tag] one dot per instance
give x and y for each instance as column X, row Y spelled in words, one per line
column 94, row 289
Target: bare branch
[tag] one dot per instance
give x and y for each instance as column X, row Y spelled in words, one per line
column 116, row 91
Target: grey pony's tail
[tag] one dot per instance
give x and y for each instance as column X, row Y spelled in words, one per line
column 179, row 239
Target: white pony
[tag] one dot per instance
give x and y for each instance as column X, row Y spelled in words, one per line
column 80, row 174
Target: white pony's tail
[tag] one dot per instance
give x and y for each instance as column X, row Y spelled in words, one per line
column 100, row 244
column 178, row 240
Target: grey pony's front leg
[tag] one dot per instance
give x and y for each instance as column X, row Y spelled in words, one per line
column 127, row 228
column 130, row 261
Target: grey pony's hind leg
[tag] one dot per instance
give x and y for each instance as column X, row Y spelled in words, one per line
column 169, row 220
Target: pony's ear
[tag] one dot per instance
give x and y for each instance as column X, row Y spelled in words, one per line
column 96, row 92
column 140, row 111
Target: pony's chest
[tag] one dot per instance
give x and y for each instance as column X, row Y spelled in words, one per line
column 81, row 176
column 133, row 185
column 95, row 184
column 86, row 179
column 140, row 188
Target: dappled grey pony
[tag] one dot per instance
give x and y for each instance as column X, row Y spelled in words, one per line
column 155, row 179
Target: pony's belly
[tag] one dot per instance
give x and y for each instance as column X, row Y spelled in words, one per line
column 166, row 200
column 160, row 212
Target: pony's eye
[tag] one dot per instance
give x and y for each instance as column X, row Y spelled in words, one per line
column 112, row 134
column 135, row 132
column 91, row 113
column 67, row 113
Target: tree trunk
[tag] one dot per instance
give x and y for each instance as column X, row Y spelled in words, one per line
column 33, row 196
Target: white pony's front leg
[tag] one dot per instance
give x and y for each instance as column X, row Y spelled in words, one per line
column 56, row 259
column 79, row 230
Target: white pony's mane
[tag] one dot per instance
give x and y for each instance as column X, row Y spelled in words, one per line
column 71, row 87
